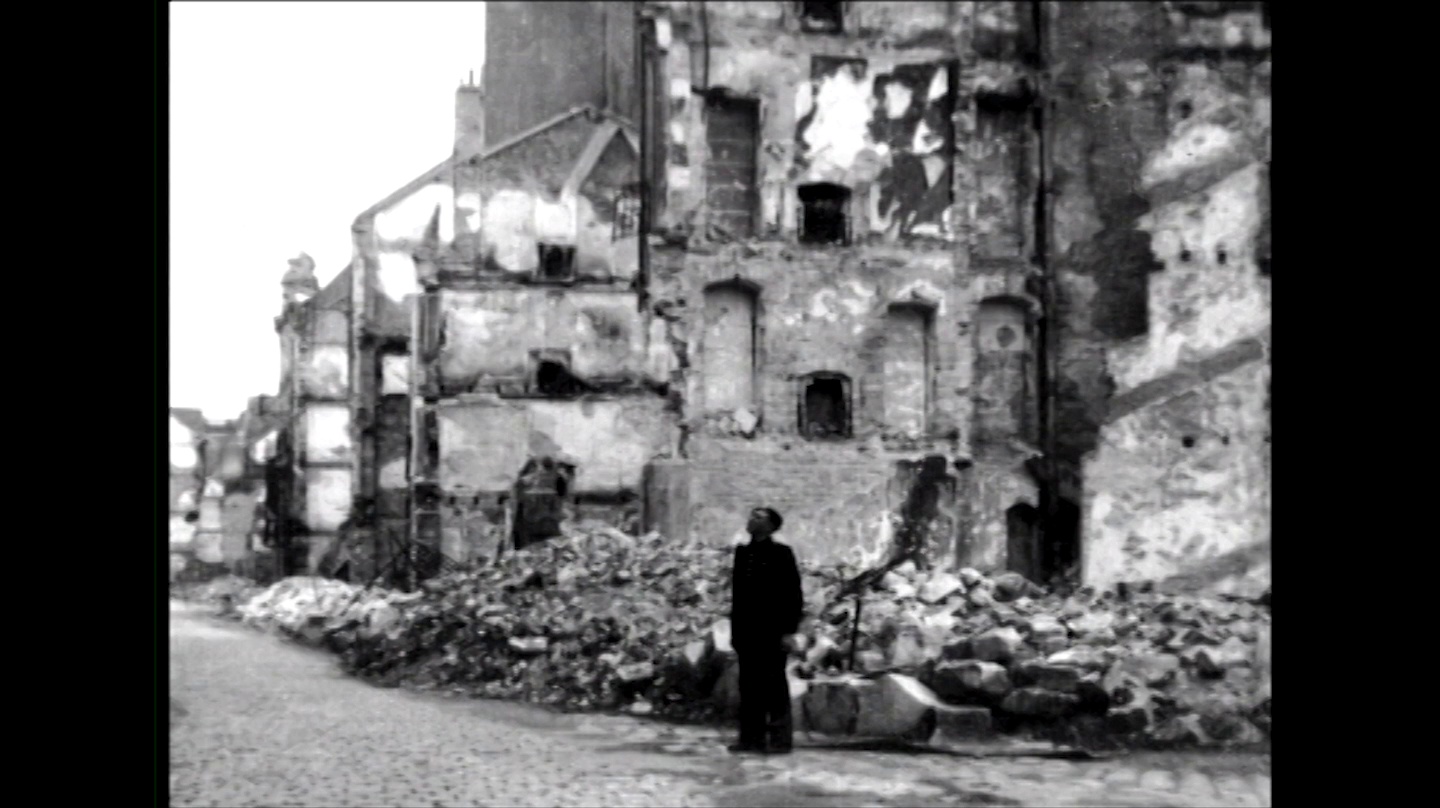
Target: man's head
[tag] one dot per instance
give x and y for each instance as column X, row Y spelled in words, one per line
column 763, row 522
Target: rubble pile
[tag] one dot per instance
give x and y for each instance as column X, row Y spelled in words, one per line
column 224, row 593
column 594, row 619
column 303, row 606
column 598, row 619
column 1135, row 665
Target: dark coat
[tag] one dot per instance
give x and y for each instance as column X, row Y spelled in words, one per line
column 766, row 598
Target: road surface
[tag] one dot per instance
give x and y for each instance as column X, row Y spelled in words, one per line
column 258, row 721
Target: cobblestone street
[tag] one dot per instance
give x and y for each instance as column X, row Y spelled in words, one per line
column 256, row 721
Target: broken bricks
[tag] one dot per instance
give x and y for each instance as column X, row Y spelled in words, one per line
column 550, row 624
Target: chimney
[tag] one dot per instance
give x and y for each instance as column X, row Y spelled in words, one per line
column 469, row 118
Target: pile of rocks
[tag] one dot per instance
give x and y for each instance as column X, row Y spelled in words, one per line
column 598, row 619
column 595, row 619
column 225, row 593
column 304, row 606
column 1137, row 666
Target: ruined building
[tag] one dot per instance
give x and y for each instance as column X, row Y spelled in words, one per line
column 1160, row 137
column 986, row 281
column 213, row 493
column 310, row 462
column 187, row 429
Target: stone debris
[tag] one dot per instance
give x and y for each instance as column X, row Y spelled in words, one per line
column 225, row 593
column 600, row 620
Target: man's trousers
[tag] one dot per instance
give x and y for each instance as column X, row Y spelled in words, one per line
column 765, row 719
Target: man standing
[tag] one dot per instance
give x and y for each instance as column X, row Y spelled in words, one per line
column 766, row 608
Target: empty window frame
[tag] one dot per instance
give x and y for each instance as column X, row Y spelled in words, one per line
column 821, row 18
column 732, row 128
column 557, row 262
column 907, row 367
column 825, row 406
column 824, row 214
column 627, row 214
column 730, row 344
column 551, row 377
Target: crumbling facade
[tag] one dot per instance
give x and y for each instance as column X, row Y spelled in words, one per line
column 212, row 493
column 311, row 467
column 1161, row 240
column 841, row 203
column 186, row 432
column 942, row 276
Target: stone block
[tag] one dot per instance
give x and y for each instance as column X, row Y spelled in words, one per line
column 899, row 706
column 905, row 651
column 529, row 646
column 1214, row 661
column 1092, row 622
column 940, row 586
column 1052, row 645
column 832, row 706
column 1084, row 657
column 997, row 645
column 955, row 723
column 1037, row 702
column 870, row 661
column 1055, row 678
column 962, row 681
column 1128, row 719
column 820, row 651
column 959, row 649
column 1154, row 670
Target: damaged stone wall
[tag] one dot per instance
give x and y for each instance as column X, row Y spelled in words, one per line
column 819, row 311
column 485, row 442
column 530, row 345
column 570, row 185
column 881, row 321
column 871, row 111
column 1179, row 473
column 1125, row 82
column 1181, row 481
column 488, row 340
column 880, row 307
column 585, row 56
column 315, row 332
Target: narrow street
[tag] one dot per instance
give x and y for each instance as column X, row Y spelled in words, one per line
column 256, row 721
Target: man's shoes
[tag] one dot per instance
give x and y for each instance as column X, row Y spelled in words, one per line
column 778, row 750
column 745, row 749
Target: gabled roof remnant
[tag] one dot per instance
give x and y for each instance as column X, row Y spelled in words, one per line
column 437, row 172
column 336, row 291
column 191, row 418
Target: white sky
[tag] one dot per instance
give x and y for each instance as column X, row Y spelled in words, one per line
column 287, row 119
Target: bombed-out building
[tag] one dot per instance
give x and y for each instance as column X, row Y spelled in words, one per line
column 842, row 196
column 310, row 456
column 1159, row 137
column 988, row 281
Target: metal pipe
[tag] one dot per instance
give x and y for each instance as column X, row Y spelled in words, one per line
column 1049, row 325
column 644, row 52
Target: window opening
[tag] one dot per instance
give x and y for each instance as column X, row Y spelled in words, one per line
column 822, row 18
column 825, row 408
column 553, row 378
column 732, row 127
column 627, row 214
column 824, row 214
column 557, row 262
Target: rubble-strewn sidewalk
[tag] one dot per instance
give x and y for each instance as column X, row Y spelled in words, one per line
column 598, row 620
